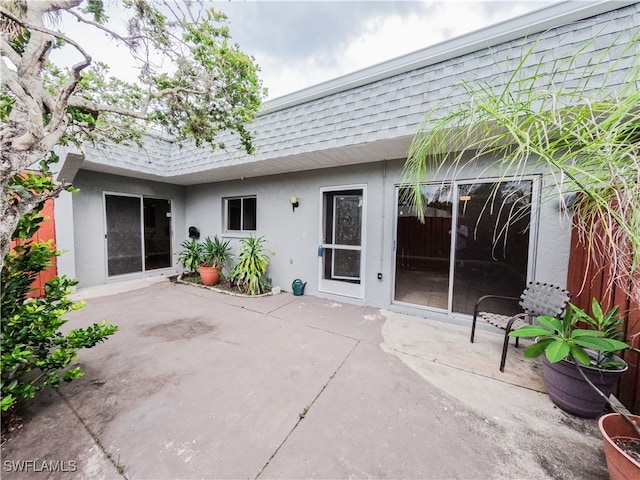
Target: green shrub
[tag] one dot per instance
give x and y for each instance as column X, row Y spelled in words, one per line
column 190, row 257
column 249, row 273
column 35, row 353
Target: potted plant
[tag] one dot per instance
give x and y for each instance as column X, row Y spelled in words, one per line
column 578, row 339
column 579, row 369
column 621, row 445
column 190, row 256
column 215, row 254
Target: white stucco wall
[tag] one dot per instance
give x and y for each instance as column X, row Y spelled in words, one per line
column 63, row 208
column 295, row 236
column 89, row 220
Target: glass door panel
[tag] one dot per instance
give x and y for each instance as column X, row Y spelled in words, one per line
column 157, row 233
column 346, row 264
column 491, row 243
column 124, row 238
column 423, row 249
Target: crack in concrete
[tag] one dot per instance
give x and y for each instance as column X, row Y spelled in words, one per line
column 96, row 438
column 307, row 409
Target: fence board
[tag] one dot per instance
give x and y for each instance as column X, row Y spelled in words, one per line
column 588, row 278
column 47, row 231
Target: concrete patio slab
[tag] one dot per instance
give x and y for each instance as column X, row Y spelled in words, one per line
column 197, row 384
column 449, row 345
column 340, row 318
column 376, row 420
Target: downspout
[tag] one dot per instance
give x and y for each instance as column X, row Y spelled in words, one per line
column 382, row 217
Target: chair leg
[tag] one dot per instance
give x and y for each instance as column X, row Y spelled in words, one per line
column 476, row 308
column 473, row 327
column 505, row 344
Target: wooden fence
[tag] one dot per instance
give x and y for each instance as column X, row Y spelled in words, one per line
column 420, row 244
column 589, row 277
column 47, row 231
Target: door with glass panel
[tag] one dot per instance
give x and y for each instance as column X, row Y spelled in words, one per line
column 138, row 233
column 475, row 240
column 341, row 249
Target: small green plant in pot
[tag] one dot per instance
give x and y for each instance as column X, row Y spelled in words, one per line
column 249, row 273
column 561, row 338
column 215, row 254
column 190, row 257
column 580, row 357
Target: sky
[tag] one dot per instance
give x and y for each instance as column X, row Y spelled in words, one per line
column 298, row 44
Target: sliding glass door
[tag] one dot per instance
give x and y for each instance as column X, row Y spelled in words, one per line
column 475, row 240
column 138, row 233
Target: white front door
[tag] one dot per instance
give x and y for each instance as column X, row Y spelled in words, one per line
column 341, row 261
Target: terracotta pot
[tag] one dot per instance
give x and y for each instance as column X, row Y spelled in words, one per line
column 209, row 275
column 568, row 390
column 620, row 465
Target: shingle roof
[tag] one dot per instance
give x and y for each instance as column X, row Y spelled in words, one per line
column 373, row 114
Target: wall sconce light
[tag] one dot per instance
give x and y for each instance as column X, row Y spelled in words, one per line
column 294, row 202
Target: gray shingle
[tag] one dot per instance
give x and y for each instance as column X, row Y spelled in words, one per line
column 396, row 105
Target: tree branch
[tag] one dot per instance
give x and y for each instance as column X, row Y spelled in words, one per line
column 9, row 52
column 27, row 107
column 86, row 104
column 48, row 31
column 126, row 40
column 613, row 406
column 53, row 5
column 57, row 114
column 83, row 103
column 171, row 91
column 24, row 206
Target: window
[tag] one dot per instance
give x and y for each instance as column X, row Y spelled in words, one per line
column 241, row 214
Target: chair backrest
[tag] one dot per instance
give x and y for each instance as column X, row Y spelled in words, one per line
column 544, row 299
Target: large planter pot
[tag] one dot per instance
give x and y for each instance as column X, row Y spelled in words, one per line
column 209, row 275
column 569, row 391
column 620, row 465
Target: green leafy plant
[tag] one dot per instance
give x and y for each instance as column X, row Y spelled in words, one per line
column 575, row 335
column 190, row 257
column 249, row 273
column 35, row 354
column 215, row 253
column 587, row 340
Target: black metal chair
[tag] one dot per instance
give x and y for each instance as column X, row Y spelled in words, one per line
column 537, row 299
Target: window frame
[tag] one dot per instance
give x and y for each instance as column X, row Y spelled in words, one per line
column 226, row 215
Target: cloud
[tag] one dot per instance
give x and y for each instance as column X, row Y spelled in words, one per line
column 297, row 30
column 298, row 44
column 301, row 43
